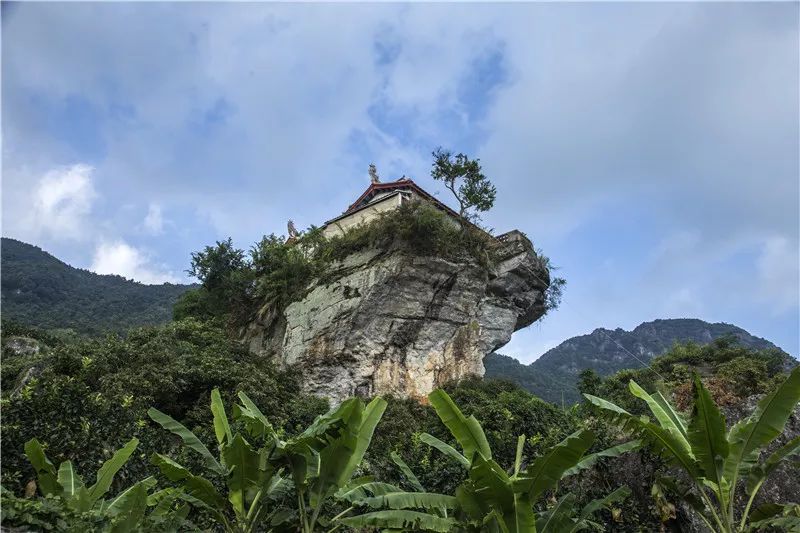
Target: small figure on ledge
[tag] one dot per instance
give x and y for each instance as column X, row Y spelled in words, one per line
column 373, row 174
column 293, row 233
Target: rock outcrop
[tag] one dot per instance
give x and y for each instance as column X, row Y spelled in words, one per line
column 393, row 322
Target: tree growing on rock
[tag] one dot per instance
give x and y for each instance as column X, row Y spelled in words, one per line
column 463, row 177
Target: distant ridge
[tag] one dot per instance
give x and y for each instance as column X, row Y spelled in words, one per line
column 39, row 290
column 604, row 351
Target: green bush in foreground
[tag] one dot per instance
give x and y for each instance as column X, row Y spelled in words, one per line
column 714, row 459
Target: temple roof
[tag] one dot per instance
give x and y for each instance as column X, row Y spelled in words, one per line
column 403, row 184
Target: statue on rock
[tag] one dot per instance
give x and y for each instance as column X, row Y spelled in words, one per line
column 373, row 174
column 292, row 231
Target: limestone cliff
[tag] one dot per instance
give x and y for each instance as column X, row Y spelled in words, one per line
column 393, row 322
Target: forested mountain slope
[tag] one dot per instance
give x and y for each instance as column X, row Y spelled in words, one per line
column 39, row 290
column 607, row 351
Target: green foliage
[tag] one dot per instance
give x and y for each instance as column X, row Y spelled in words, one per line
column 489, row 498
column 39, row 290
column 713, row 458
column 504, row 410
column 463, row 177
column 98, row 391
column 551, row 376
column 237, row 286
column 319, row 462
column 70, row 505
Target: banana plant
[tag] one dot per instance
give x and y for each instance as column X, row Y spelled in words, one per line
column 122, row 513
column 323, row 459
column 251, row 481
column 317, row 464
column 490, row 499
column 717, row 461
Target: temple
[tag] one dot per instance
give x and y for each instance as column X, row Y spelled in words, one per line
column 378, row 198
column 381, row 197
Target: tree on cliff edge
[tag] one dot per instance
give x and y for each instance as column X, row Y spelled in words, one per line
column 463, row 177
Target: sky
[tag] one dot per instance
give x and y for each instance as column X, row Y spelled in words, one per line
column 650, row 150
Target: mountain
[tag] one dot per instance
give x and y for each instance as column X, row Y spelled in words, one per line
column 607, row 351
column 39, row 290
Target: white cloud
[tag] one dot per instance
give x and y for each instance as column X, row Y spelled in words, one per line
column 779, row 273
column 124, row 260
column 57, row 205
column 154, row 220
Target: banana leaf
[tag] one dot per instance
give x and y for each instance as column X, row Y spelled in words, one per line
column 445, row 448
column 467, row 431
column 546, row 471
column 400, row 519
column 222, row 428
column 707, row 434
column 410, row 476
column 188, row 438
column 105, row 476
column 747, row 437
column 46, row 472
column 411, row 500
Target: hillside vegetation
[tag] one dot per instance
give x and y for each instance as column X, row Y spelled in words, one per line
column 39, row 290
column 554, row 375
column 82, row 400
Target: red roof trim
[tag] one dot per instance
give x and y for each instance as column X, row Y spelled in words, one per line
column 400, row 184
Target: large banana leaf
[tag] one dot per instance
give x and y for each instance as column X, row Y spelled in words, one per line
column 129, row 509
column 590, row 460
column 670, row 444
column 221, row 427
column 670, row 447
column 616, row 413
column 559, row 518
column 69, row 480
column 524, row 519
column 603, row 503
column 45, row 470
column 188, row 438
column 467, row 431
column 121, row 502
column 105, row 476
column 546, row 471
column 676, row 417
column 400, row 519
column 747, row 437
column 257, row 423
column 335, row 457
column 357, row 492
column 760, row 472
column 410, row 476
column 411, row 500
column 445, row 448
column 372, row 415
column 195, row 486
column 707, row 434
column 666, row 416
column 243, row 461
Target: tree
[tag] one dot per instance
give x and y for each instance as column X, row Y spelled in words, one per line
column 589, row 381
column 463, row 177
column 716, row 460
column 214, row 265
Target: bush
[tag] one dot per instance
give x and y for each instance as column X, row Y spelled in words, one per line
column 91, row 397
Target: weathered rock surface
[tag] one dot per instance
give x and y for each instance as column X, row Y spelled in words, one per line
column 392, row 322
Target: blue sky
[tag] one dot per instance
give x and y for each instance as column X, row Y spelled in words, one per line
column 650, row 150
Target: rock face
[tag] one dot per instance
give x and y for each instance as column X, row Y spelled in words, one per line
column 392, row 322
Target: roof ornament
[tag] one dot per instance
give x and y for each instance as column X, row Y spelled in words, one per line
column 373, row 174
column 292, row 230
